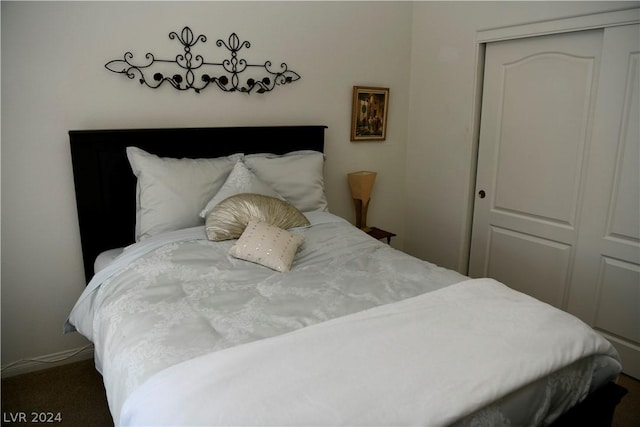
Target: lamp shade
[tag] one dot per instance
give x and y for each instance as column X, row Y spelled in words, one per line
column 361, row 184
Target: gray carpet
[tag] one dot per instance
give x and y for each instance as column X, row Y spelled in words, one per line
column 628, row 411
column 75, row 391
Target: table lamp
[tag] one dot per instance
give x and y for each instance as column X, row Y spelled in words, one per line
column 361, row 185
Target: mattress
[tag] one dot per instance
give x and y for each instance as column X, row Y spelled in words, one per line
column 176, row 298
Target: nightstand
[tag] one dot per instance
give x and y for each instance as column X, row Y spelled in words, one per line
column 380, row 234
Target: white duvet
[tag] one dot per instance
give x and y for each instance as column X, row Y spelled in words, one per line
column 186, row 335
column 405, row 363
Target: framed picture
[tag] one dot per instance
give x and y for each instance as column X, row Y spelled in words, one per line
column 369, row 113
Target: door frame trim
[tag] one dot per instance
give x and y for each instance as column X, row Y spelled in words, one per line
column 532, row 29
column 557, row 26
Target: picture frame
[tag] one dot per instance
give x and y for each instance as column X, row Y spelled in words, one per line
column 369, row 113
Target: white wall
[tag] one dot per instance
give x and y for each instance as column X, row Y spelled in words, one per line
column 54, row 80
column 440, row 151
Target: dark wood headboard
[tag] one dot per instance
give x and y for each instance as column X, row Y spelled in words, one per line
column 105, row 185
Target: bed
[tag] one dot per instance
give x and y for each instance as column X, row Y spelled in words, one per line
column 191, row 328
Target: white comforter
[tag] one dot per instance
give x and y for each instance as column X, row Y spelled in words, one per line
column 176, row 301
column 477, row 339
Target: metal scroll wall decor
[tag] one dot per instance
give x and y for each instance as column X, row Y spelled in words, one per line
column 197, row 74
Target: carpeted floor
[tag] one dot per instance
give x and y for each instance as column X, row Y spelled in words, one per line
column 76, row 393
column 628, row 411
column 73, row 391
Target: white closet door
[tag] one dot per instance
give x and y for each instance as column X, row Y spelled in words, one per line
column 538, row 98
column 559, row 165
column 605, row 288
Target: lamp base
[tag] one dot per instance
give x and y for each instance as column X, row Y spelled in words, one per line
column 361, row 214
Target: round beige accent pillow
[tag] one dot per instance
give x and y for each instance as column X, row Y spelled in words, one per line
column 228, row 219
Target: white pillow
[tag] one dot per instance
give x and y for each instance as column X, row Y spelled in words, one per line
column 171, row 192
column 240, row 180
column 297, row 176
column 267, row 245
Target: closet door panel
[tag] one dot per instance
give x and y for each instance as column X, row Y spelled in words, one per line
column 545, row 264
column 617, row 307
column 528, row 128
column 538, row 98
column 605, row 288
column 624, row 217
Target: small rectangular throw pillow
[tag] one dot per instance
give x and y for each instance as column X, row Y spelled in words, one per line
column 267, row 245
